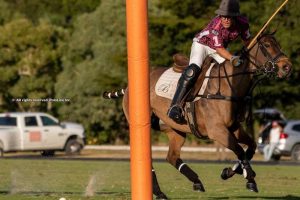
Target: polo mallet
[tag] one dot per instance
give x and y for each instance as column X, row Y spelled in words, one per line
column 266, row 24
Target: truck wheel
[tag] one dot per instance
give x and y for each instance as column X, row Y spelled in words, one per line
column 47, row 153
column 73, row 147
column 296, row 152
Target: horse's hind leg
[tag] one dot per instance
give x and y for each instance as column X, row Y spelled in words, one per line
column 176, row 141
column 155, row 187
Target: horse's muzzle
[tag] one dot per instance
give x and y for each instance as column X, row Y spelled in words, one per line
column 285, row 71
column 284, row 68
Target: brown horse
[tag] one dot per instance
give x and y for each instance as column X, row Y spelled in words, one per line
column 218, row 113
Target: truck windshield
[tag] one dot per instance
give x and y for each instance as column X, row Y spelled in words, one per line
column 48, row 122
column 8, row 121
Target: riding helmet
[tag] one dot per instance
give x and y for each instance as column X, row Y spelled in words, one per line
column 229, row 8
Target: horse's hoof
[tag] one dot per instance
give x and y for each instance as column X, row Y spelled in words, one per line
column 161, row 196
column 198, row 187
column 227, row 173
column 251, row 185
column 224, row 174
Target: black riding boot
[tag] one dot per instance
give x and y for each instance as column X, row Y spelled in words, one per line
column 185, row 84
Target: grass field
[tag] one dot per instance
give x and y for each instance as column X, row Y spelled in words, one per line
column 90, row 180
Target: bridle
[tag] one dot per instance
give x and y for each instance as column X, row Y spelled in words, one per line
column 270, row 67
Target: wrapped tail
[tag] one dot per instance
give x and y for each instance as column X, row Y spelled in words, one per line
column 114, row 94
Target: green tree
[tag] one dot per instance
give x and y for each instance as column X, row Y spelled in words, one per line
column 6, row 14
column 60, row 12
column 29, row 63
column 95, row 62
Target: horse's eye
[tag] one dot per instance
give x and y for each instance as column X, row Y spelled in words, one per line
column 267, row 45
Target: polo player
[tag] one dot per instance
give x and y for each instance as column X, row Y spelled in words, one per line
column 211, row 41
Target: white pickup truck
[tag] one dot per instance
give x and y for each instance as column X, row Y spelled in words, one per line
column 39, row 132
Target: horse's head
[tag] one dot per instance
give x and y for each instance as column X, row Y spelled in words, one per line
column 269, row 58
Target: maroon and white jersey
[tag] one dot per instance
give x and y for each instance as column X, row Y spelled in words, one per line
column 215, row 35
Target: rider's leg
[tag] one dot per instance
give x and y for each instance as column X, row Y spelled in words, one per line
column 185, row 84
column 187, row 81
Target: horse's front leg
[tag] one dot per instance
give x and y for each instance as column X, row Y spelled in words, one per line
column 243, row 168
column 248, row 172
column 243, row 138
column 176, row 141
column 227, row 139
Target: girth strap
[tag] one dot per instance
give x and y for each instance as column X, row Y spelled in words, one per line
column 190, row 113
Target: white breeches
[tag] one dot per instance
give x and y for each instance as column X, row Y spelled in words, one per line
column 200, row 51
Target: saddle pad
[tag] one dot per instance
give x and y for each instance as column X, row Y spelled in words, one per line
column 167, row 83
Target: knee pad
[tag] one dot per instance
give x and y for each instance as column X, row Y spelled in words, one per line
column 190, row 75
column 191, row 71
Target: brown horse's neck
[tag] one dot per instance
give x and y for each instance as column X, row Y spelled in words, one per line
column 256, row 57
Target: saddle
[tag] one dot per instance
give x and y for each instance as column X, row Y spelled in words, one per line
column 181, row 62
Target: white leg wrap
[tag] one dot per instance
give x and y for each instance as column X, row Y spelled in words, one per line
column 180, row 166
column 245, row 173
column 235, row 166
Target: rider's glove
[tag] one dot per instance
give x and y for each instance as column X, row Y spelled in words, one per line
column 236, row 61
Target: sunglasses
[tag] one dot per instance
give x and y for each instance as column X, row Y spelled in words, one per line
column 226, row 17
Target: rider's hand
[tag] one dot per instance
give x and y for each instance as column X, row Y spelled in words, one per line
column 236, row 61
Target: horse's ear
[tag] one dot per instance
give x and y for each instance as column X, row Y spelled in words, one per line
column 268, row 32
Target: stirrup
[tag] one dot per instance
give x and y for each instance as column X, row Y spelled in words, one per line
column 176, row 114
